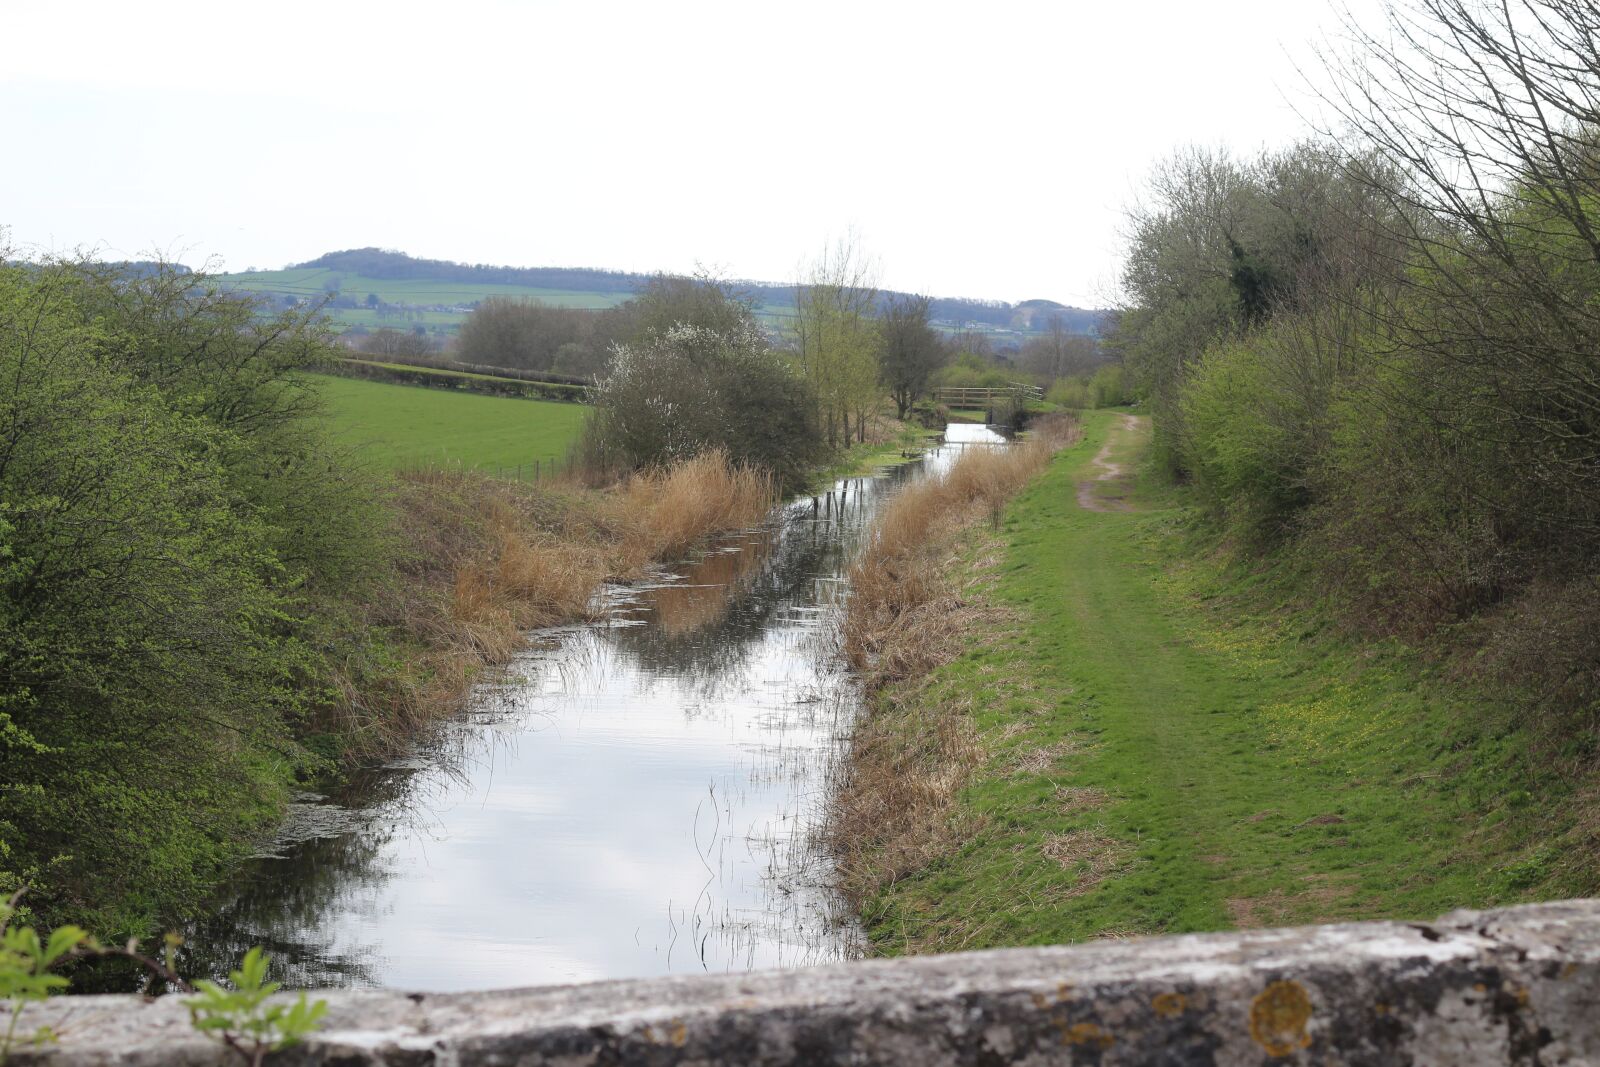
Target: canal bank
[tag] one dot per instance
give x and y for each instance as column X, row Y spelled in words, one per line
column 1154, row 739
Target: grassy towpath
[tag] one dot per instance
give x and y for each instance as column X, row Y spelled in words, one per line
column 1166, row 749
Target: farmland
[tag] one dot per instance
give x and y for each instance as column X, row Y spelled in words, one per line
column 438, row 305
column 397, row 426
column 311, row 282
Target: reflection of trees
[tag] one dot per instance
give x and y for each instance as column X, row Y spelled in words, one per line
column 707, row 589
column 282, row 904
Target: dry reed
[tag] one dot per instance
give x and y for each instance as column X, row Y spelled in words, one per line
column 483, row 561
column 904, row 616
column 667, row 511
column 913, row 607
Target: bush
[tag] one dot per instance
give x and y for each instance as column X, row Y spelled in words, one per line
column 154, row 565
column 182, row 558
column 970, row 372
column 1109, row 386
column 691, row 389
column 1242, row 459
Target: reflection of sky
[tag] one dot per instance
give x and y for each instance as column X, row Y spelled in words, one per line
column 635, row 805
column 958, row 433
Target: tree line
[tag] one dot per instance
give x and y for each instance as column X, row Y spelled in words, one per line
column 392, row 265
column 1380, row 351
column 686, row 364
column 957, row 311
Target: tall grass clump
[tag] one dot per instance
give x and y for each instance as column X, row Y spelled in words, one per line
column 912, row 609
column 483, row 561
column 896, row 625
column 666, row 510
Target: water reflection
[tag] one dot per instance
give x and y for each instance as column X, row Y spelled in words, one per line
column 632, row 799
column 958, row 433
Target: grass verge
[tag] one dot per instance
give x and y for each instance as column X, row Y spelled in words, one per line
column 1133, row 737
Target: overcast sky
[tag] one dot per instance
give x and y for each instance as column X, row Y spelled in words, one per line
column 978, row 149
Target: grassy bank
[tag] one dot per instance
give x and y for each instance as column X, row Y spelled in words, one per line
column 398, row 426
column 1140, row 739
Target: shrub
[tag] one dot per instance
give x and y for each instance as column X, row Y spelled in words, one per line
column 151, row 581
column 1241, row 457
column 690, row 389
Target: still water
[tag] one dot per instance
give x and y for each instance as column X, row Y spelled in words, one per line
column 632, row 797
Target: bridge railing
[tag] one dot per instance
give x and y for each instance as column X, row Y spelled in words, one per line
column 983, row 396
column 1513, row 986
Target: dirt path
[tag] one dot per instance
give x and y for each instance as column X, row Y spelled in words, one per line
column 1108, row 489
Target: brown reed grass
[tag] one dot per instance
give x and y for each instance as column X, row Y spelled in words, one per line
column 483, row 561
column 915, row 603
column 903, row 606
column 667, row 511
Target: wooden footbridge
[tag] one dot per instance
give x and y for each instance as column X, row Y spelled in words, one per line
column 985, row 396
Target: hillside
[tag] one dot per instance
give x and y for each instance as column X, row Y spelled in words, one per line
column 373, row 287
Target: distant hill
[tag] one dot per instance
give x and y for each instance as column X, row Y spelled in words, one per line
column 389, row 265
column 437, row 293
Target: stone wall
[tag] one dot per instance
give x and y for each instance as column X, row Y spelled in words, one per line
column 1519, row 985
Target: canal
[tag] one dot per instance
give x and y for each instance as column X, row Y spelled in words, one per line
column 632, row 796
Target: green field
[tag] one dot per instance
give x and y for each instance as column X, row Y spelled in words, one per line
column 398, row 426
column 1171, row 747
column 313, row 282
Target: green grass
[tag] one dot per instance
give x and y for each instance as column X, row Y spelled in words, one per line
column 434, row 321
column 1204, row 756
column 439, row 372
column 313, row 282
column 399, row 426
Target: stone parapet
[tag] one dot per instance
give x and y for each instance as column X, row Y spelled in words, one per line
column 1513, row 986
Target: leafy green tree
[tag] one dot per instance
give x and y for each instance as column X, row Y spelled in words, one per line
column 837, row 339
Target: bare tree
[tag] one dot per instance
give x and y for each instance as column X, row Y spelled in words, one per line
column 911, row 351
column 1059, row 353
column 1490, row 109
column 397, row 344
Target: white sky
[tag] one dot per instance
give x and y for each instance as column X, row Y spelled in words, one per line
column 978, row 149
